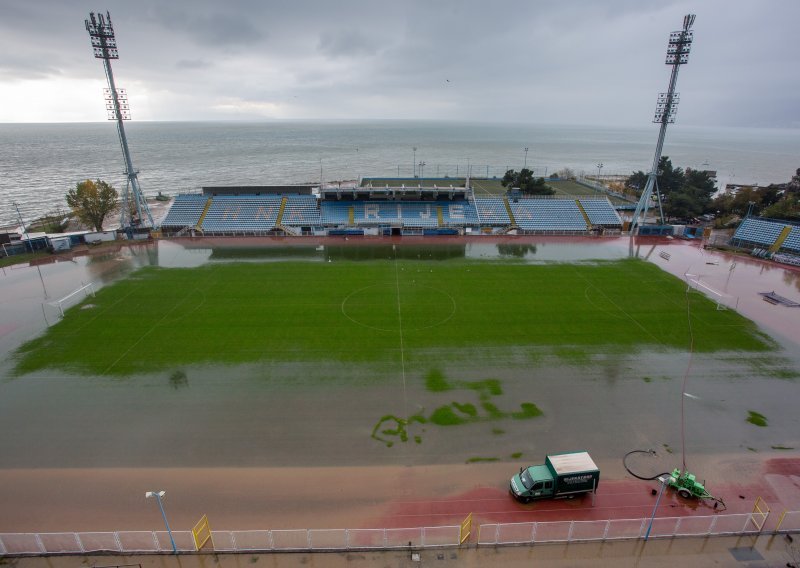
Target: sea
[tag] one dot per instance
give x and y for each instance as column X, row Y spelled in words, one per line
column 39, row 163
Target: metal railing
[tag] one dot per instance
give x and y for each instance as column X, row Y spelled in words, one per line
column 137, row 542
column 324, row 540
column 619, row 529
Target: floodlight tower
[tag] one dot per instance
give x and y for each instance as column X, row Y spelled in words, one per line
column 134, row 211
column 680, row 43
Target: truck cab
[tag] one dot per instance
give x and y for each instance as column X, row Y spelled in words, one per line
column 562, row 475
column 532, row 482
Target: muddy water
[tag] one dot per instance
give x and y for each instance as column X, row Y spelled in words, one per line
column 280, row 415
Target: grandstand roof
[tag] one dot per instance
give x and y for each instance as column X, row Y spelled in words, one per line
column 259, row 189
column 396, row 193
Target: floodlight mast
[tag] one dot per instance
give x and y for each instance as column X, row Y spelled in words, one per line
column 680, row 43
column 101, row 33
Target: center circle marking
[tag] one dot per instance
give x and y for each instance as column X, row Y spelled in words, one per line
column 440, row 311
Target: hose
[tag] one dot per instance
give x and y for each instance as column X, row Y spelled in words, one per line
column 625, row 464
column 717, row 500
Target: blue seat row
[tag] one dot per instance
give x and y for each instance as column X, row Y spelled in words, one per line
column 423, row 214
column 259, row 213
column 248, row 213
column 601, row 212
column 548, row 215
column 765, row 232
column 492, row 211
column 301, row 210
column 185, row 211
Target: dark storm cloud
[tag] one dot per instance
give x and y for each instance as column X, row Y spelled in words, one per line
column 572, row 62
column 214, row 28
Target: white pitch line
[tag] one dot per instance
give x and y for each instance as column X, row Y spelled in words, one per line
column 400, row 327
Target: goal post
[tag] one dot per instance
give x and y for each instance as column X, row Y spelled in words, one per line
column 86, row 289
column 724, row 301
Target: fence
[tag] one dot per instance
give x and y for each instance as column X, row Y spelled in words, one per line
column 324, row 540
column 619, row 529
column 320, row 540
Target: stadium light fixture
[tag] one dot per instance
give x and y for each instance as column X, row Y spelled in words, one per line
column 678, row 47
column 159, row 495
column 104, row 45
column 414, row 161
column 525, row 165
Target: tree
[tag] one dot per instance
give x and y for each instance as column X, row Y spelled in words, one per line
column 669, row 179
column 526, row 183
column 566, row 173
column 787, row 209
column 91, row 201
column 685, row 194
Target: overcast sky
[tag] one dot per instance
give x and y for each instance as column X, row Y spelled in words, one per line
column 563, row 62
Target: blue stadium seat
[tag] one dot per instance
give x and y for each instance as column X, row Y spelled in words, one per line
column 242, row 214
column 601, row 212
column 184, row 211
column 492, row 211
column 301, row 210
column 764, row 232
column 548, row 215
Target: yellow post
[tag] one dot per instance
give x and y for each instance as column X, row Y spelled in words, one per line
column 762, row 510
column 466, row 529
column 780, row 521
column 201, row 533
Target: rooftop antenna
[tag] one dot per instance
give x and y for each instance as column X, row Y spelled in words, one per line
column 680, row 43
column 134, row 210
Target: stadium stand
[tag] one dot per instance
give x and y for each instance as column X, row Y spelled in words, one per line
column 298, row 214
column 601, row 212
column 242, row 214
column 301, row 211
column 548, row 215
column 754, row 231
column 492, row 211
column 792, row 242
column 335, row 213
column 420, row 214
column 185, row 211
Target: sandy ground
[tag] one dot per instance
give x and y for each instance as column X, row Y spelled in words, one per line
column 58, row 473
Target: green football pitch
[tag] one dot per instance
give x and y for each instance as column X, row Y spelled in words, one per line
column 392, row 311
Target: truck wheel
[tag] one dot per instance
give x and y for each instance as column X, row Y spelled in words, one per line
column 684, row 493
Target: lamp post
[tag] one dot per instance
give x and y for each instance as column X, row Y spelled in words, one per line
column 104, row 46
column 663, row 479
column 599, row 168
column 158, row 495
column 526, row 158
column 680, row 43
column 414, row 161
column 421, row 168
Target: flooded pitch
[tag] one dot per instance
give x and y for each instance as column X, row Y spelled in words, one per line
column 288, row 445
